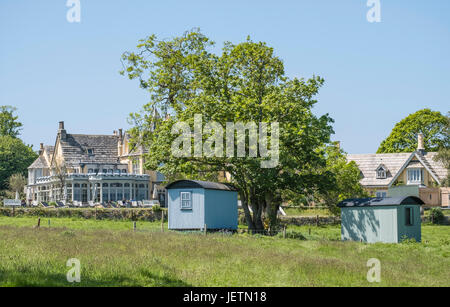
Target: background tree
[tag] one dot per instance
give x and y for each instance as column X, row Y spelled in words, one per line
column 347, row 176
column 244, row 83
column 403, row 137
column 17, row 183
column 15, row 157
column 60, row 172
column 9, row 126
column 443, row 155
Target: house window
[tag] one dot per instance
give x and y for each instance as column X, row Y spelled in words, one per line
column 381, row 194
column 415, row 176
column 90, row 151
column 381, row 173
column 186, row 200
column 409, row 218
column 90, row 171
column 136, row 167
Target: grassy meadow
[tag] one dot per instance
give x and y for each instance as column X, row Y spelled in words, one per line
column 112, row 254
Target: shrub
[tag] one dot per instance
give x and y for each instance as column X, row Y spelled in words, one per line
column 156, row 208
column 436, row 216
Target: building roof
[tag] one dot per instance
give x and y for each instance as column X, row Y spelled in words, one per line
column 374, row 202
column 395, row 163
column 368, row 164
column 196, row 184
column 40, row 162
column 76, row 147
column 49, row 150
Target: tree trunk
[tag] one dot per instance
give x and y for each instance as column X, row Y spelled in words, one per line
column 272, row 206
column 248, row 216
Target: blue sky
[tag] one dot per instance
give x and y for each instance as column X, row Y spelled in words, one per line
column 375, row 73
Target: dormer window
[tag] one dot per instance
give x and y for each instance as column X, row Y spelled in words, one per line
column 381, row 172
column 90, row 151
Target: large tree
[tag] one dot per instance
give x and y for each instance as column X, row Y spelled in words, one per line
column 15, row 157
column 403, row 137
column 8, row 122
column 443, row 155
column 244, row 83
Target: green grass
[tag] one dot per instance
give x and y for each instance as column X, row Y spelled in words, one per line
column 111, row 254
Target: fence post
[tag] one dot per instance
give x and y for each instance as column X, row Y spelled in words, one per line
column 284, row 232
column 39, row 223
column 49, row 223
column 162, row 221
column 317, row 221
column 14, row 211
column 205, row 229
column 309, row 231
column 134, row 226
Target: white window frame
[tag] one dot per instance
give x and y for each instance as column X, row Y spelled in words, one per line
column 381, row 173
column 186, row 200
column 414, row 175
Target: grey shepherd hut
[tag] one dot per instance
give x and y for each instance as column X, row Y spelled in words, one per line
column 192, row 204
column 388, row 220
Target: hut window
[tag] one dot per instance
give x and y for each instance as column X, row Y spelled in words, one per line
column 186, row 200
column 408, row 217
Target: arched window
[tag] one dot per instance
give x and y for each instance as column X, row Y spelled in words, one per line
column 381, row 172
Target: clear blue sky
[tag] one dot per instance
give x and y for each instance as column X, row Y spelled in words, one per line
column 375, row 73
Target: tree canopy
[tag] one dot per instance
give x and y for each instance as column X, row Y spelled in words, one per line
column 245, row 83
column 347, row 175
column 443, row 155
column 8, row 122
column 15, row 157
column 403, row 137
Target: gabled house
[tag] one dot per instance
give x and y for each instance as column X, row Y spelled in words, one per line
column 398, row 174
column 92, row 168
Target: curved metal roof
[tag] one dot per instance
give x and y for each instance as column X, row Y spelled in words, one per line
column 389, row 201
column 197, row 184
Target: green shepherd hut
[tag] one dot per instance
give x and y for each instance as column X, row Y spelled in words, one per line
column 387, row 220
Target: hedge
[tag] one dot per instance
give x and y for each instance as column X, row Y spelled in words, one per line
column 149, row 215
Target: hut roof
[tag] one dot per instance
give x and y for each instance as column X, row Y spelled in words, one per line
column 196, row 184
column 373, row 202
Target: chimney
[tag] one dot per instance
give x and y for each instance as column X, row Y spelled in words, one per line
column 120, row 134
column 61, row 131
column 41, row 149
column 420, row 143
